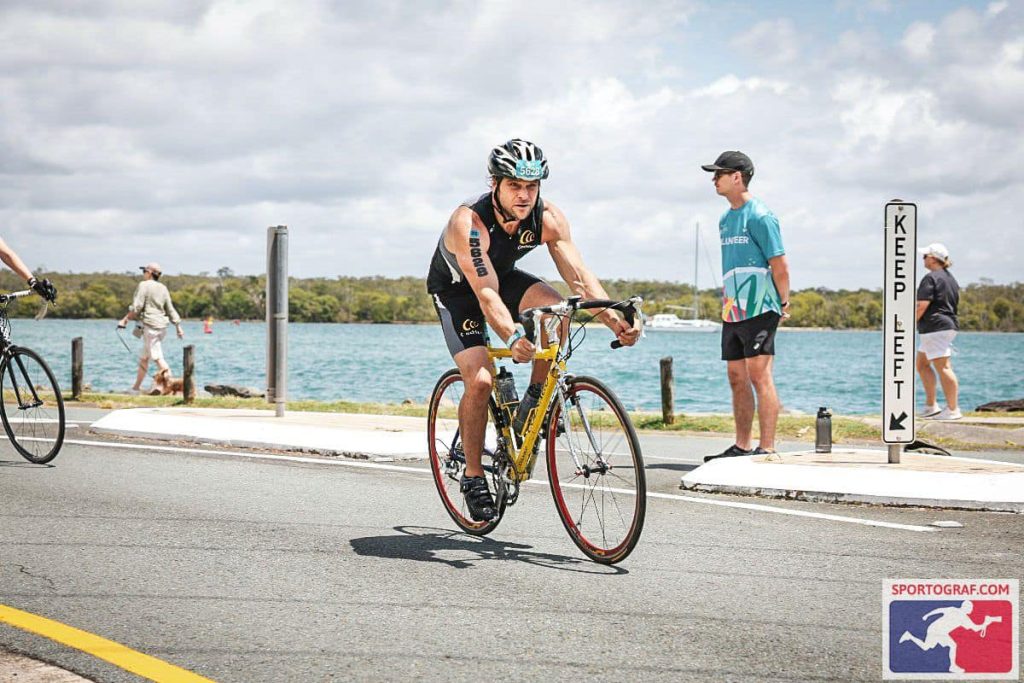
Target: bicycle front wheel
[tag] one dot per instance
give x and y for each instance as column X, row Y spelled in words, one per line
column 596, row 471
column 444, row 448
column 32, row 407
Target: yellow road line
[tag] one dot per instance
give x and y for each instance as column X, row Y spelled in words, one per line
column 115, row 653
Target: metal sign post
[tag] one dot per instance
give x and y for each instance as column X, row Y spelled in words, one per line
column 899, row 294
column 277, row 317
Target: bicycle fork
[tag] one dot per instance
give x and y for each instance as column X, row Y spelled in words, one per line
column 583, row 469
column 36, row 401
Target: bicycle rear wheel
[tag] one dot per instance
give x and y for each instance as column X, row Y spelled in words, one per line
column 444, row 448
column 596, row 471
column 31, row 405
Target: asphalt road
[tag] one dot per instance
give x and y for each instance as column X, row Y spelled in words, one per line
column 263, row 569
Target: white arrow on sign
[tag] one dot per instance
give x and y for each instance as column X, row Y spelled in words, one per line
column 898, row 309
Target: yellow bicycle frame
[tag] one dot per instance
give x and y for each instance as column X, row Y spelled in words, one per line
column 524, row 458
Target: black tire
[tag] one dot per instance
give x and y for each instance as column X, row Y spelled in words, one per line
column 442, row 438
column 31, row 406
column 603, row 509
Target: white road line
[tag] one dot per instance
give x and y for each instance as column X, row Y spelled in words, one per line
column 253, row 456
column 760, row 508
column 648, row 456
column 795, row 513
column 537, row 482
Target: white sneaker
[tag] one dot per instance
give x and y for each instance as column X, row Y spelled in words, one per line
column 929, row 411
column 948, row 414
column 133, row 392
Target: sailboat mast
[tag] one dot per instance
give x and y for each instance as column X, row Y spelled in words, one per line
column 696, row 253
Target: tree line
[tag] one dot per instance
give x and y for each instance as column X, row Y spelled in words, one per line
column 984, row 306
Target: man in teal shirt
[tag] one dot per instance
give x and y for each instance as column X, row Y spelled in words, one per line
column 755, row 297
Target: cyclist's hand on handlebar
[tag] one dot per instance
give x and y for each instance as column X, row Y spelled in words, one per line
column 44, row 288
column 523, row 350
column 625, row 333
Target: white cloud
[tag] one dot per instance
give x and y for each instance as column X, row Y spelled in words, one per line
column 180, row 131
column 775, row 42
column 918, row 39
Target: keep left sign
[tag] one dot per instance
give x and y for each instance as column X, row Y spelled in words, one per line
column 899, row 323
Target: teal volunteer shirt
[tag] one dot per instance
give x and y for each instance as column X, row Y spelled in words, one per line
column 750, row 236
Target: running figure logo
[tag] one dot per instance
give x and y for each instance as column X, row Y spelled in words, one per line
column 951, row 639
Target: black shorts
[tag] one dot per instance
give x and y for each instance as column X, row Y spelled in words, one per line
column 463, row 322
column 749, row 338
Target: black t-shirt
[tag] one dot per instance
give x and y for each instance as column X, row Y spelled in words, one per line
column 940, row 289
column 445, row 275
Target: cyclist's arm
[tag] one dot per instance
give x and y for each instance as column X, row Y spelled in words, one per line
column 14, row 262
column 468, row 240
column 570, row 264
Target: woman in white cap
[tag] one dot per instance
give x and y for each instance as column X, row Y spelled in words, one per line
column 152, row 306
column 938, row 297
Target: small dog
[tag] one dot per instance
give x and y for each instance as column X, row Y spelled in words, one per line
column 164, row 384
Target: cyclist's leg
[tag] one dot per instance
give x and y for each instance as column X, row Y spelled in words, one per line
column 475, row 367
column 462, row 322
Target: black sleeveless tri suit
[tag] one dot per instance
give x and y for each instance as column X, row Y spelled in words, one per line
column 456, row 303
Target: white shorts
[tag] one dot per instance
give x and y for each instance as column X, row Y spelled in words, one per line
column 151, row 338
column 936, row 344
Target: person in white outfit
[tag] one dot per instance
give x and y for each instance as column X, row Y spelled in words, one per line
column 938, row 297
column 152, row 306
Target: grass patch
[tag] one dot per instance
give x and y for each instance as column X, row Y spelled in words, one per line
column 845, row 430
column 792, row 428
column 795, row 428
column 116, row 401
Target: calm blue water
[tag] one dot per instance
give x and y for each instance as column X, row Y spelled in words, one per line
column 389, row 363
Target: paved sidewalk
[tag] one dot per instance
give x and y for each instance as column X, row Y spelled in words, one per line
column 848, row 475
column 866, row 476
column 377, row 437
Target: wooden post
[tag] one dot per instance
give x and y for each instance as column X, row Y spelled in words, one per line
column 188, row 367
column 668, row 415
column 76, row 368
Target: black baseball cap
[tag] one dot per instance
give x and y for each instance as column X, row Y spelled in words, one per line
column 731, row 161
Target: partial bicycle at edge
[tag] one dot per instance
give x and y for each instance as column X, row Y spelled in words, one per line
column 31, row 404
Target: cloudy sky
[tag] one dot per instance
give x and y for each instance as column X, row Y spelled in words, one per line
column 133, row 130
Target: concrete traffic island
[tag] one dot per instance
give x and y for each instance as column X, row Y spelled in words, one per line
column 376, row 437
column 865, row 476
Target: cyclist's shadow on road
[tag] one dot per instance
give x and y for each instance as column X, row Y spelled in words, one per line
column 461, row 551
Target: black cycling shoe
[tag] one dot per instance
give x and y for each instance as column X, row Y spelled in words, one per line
column 478, row 499
column 730, row 452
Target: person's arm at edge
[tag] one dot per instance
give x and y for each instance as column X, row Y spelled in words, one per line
column 780, row 275
column 14, row 262
column 925, row 293
column 575, row 273
column 482, row 277
column 172, row 313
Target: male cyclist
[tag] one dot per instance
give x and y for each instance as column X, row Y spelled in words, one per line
column 43, row 288
column 473, row 279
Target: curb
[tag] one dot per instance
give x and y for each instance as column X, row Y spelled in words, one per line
column 856, row 499
column 254, row 431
